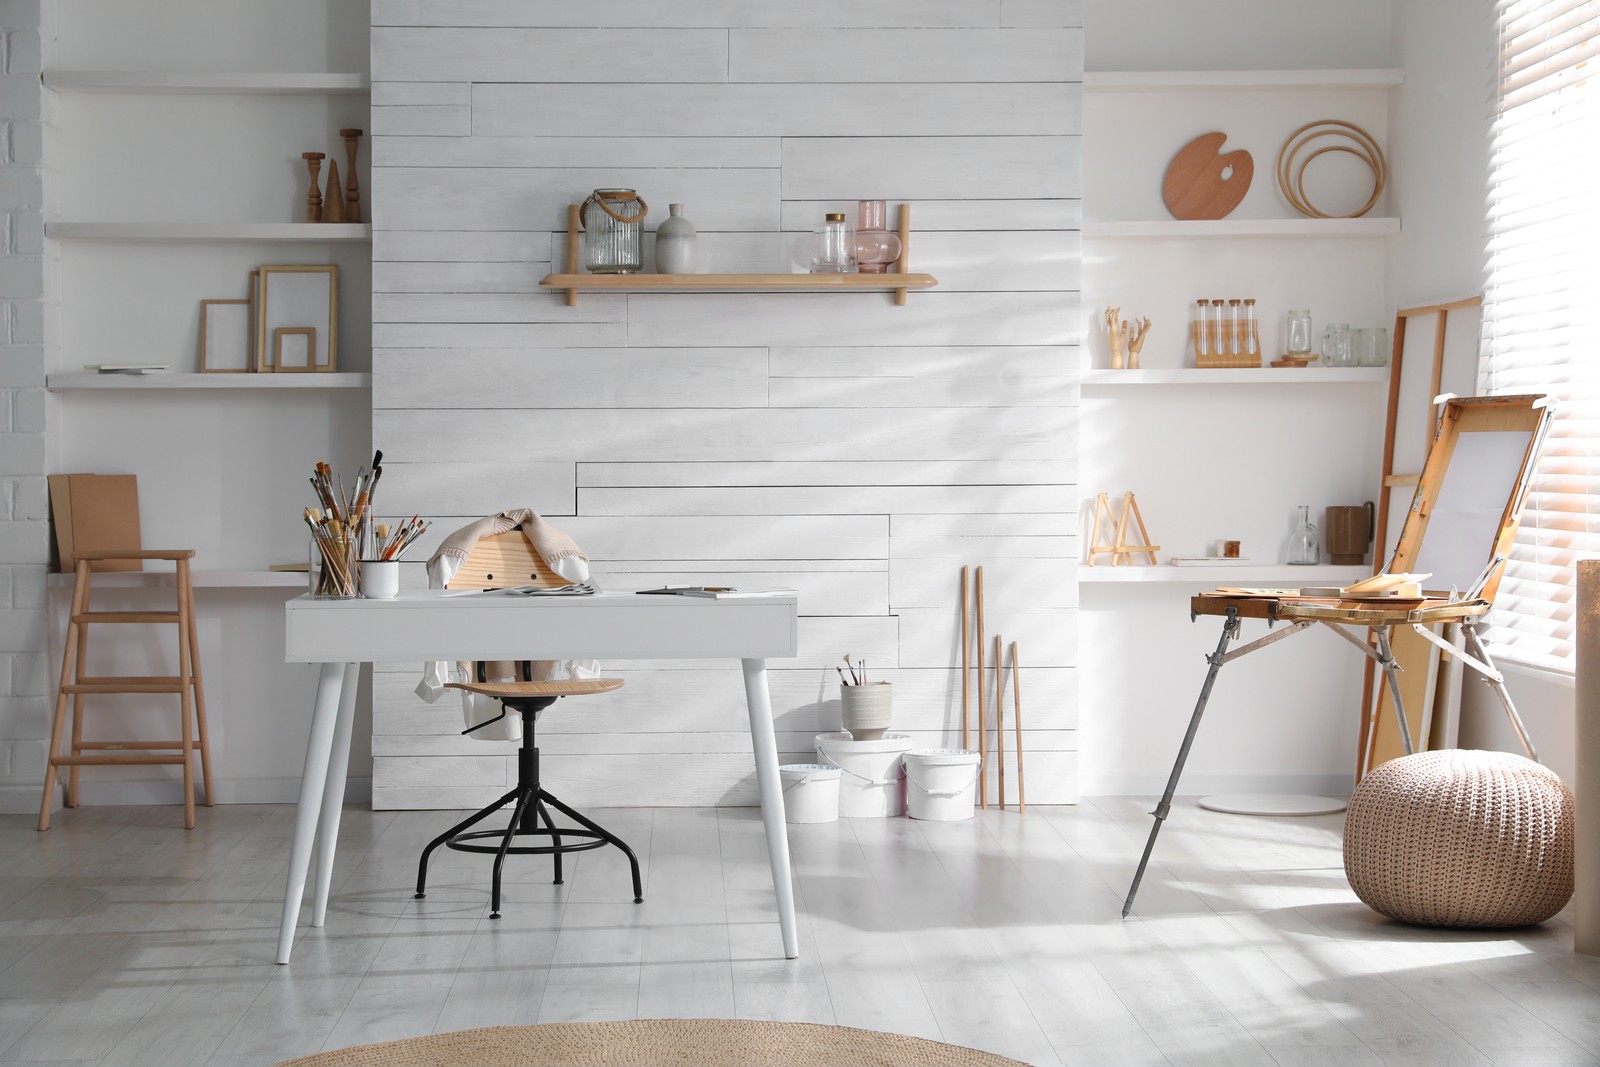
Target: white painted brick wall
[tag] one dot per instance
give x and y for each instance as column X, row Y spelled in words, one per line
column 28, row 281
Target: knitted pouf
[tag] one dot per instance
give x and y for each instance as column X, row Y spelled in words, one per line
column 1461, row 838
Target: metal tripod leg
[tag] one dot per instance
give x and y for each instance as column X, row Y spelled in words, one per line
column 1230, row 630
column 1391, row 671
column 1497, row 682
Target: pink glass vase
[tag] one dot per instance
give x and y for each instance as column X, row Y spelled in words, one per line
column 876, row 247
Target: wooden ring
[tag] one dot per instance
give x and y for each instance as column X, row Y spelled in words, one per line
column 1365, row 149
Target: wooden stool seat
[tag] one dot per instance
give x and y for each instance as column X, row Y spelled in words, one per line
column 575, row 687
column 75, row 683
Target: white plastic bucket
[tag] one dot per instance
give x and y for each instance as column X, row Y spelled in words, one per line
column 942, row 783
column 810, row 792
column 874, row 782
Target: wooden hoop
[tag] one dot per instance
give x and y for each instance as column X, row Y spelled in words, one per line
column 1366, row 149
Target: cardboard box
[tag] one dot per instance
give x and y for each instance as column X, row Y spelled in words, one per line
column 95, row 513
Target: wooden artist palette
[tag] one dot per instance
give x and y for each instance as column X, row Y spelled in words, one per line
column 1195, row 186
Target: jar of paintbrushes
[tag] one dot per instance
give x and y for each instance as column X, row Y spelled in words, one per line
column 380, row 564
column 339, row 528
column 865, row 708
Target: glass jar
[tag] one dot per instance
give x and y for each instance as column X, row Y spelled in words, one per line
column 1336, row 350
column 613, row 231
column 334, row 566
column 1372, row 347
column 1305, row 550
column 1299, row 332
column 1252, row 330
column 876, row 247
column 833, row 249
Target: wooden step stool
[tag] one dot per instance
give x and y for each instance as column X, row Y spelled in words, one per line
column 186, row 684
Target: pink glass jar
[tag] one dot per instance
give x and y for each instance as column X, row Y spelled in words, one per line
column 876, row 247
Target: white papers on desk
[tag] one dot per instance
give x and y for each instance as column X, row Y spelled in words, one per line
column 575, row 589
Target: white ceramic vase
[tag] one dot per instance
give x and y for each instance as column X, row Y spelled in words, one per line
column 676, row 243
column 865, row 709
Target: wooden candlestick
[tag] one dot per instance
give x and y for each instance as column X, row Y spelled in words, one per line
column 333, row 203
column 352, row 187
column 313, row 198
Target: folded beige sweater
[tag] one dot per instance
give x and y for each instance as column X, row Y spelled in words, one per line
column 548, row 542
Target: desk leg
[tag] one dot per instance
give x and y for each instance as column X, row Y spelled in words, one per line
column 765, row 744
column 1230, row 630
column 333, row 794
column 313, row 781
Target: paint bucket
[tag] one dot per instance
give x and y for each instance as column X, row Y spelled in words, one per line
column 942, row 783
column 810, row 792
column 874, row 782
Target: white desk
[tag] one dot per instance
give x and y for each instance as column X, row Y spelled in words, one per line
column 343, row 634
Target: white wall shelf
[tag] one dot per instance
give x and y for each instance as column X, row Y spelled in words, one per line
column 1267, row 574
column 1123, row 379
column 202, row 580
column 1297, row 227
column 158, row 81
column 78, row 380
column 191, row 232
column 1145, row 81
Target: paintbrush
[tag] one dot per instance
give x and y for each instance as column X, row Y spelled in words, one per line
column 842, row 679
column 852, row 669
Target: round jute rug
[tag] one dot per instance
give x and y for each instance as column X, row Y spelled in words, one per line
column 659, row 1043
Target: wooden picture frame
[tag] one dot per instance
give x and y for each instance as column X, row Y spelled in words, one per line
column 282, row 344
column 225, row 336
column 298, row 296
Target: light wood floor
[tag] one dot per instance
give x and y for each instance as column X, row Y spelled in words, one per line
column 125, row 940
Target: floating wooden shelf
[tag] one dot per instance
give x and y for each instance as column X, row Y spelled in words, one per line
column 1296, row 227
column 1270, row 575
column 82, row 380
column 898, row 280
column 202, row 580
column 186, row 232
column 1155, row 81
column 738, row 283
column 1118, row 379
column 163, row 81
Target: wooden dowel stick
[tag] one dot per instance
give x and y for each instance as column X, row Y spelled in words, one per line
column 1016, row 706
column 574, row 225
column 1000, row 715
column 966, row 658
column 983, row 715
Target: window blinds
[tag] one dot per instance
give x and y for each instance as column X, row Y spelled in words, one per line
column 1541, row 328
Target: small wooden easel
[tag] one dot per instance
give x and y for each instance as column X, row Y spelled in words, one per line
column 1120, row 547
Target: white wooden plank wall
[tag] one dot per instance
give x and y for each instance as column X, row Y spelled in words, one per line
column 853, row 450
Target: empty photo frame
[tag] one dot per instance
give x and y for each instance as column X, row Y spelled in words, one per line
column 293, row 348
column 291, row 297
column 225, row 337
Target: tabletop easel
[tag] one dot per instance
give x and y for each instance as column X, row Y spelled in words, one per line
column 1119, row 549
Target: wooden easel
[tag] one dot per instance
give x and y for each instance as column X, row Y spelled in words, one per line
column 1120, row 547
column 1429, row 697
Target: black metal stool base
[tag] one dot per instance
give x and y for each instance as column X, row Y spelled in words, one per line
column 530, row 804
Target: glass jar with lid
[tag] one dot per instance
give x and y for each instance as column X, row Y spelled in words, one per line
column 833, row 249
column 613, row 231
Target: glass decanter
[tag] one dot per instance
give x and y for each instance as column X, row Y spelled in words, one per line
column 1304, row 548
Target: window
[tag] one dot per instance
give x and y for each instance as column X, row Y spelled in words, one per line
column 1541, row 329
